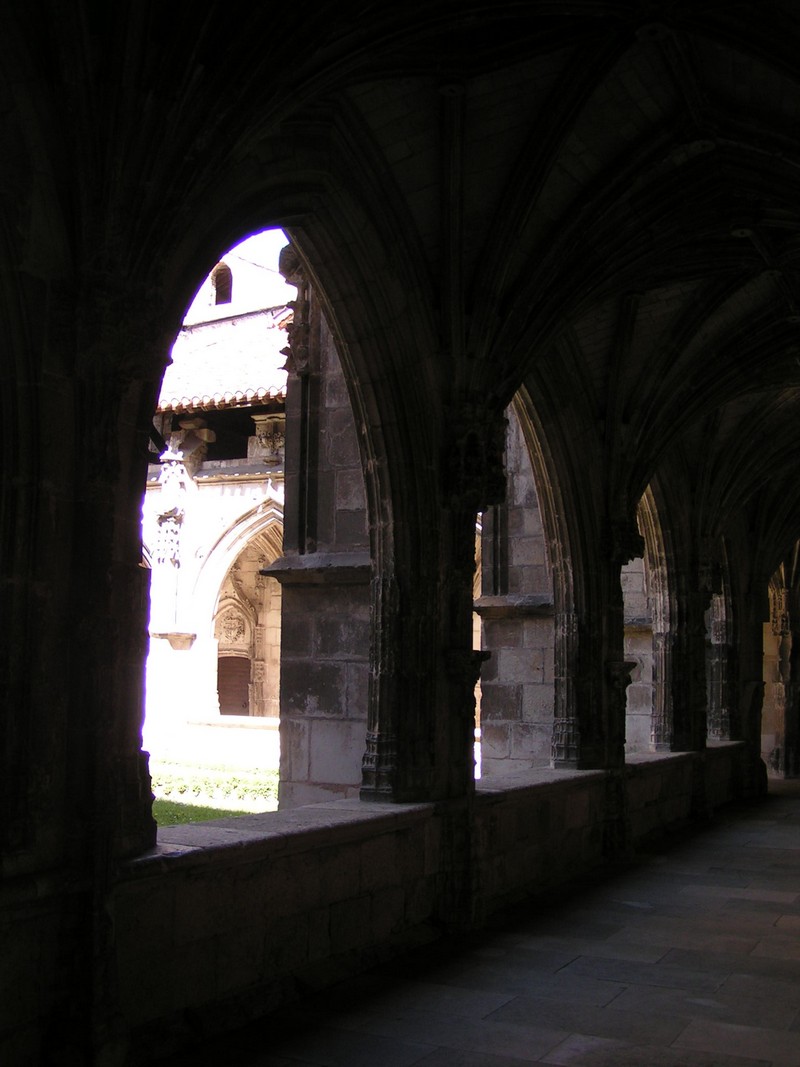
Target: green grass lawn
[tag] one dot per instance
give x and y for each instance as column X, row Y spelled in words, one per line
column 218, row 790
column 172, row 813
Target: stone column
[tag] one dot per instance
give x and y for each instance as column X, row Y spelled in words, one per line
column 592, row 673
column 423, row 668
column 324, row 571
column 689, row 713
column 722, row 673
column 661, row 730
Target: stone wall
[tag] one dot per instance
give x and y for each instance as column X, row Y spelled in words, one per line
column 229, row 920
column 517, row 682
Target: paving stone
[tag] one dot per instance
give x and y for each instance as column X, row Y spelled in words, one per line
column 449, row 999
column 598, row 1052
column 618, row 950
column 725, row 1005
column 766, row 986
column 451, row 1057
column 590, row 1020
column 732, row 963
column 342, row 1048
column 633, row 973
column 778, row 1046
column 496, row 1037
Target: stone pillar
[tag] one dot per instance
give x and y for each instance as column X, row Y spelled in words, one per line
column 323, row 677
column 792, row 725
column 324, row 572
column 721, row 673
column 592, row 673
column 423, row 669
column 566, row 750
column 689, row 712
column 661, row 729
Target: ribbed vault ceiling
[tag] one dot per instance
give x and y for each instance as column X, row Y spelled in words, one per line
column 596, row 200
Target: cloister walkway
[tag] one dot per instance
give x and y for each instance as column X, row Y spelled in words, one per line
column 689, row 957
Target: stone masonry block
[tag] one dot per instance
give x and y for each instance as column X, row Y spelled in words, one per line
column 639, row 699
column 411, row 856
column 420, row 898
column 350, row 493
column 501, row 703
column 296, row 636
column 286, row 945
column 341, row 444
column 336, row 750
column 240, row 959
column 319, row 934
column 532, row 741
column 503, row 633
column 294, row 746
column 147, row 982
column 351, row 529
column 388, row 912
column 378, row 862
column 199, row 903
column 342, row 637
column 336, row 395
column 538, row 702
column 637, row 732
column 351, row 923
column 520, row 666
column 495, row 741
column 357, row 691
column 337, row 871
column 318, row 688
column 138, row 929
column 538, row 633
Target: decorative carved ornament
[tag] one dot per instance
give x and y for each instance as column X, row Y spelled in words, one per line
column 232, row 630
column 779, row 611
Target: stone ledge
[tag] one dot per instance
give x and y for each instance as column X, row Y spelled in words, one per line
column 320, row 568
column 273, row 832
column 538, row 778
column 513, row 606
column 644, row 759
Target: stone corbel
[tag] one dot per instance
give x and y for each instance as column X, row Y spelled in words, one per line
column 464, row 665
column 180, row 642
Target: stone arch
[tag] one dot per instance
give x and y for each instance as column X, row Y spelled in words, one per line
column 265, row 522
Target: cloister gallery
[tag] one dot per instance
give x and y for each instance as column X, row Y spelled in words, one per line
column 543, row 269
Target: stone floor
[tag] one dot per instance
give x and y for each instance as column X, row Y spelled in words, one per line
column 688, row 958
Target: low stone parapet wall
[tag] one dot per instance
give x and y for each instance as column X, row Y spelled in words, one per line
column 226, row 921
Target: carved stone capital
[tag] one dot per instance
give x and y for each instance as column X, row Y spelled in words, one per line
column 619, row 672
column 473, row 468
column 622, row 541
column 464, row 665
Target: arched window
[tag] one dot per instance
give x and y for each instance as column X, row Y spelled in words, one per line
column 222, row 282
